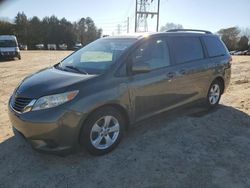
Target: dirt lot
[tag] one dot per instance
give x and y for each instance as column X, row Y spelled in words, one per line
column 209, row 149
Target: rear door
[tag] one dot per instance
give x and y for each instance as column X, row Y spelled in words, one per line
column 189, row 65
column 219, row 58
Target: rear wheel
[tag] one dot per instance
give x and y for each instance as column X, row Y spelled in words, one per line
column 102, row 131
column 214, row 93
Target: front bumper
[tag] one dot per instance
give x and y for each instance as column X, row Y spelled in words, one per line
column 12, row 54
column 50, row 131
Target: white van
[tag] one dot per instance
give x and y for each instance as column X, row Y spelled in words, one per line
column 51, row 46
column 9, row 47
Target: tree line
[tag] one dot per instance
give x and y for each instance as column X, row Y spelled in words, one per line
column 233, row 37
column 236, row 38
column 50, row 30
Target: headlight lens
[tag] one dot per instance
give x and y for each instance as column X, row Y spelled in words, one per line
column 54, row 100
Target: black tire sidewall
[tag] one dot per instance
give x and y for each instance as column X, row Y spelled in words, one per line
column 90, row 121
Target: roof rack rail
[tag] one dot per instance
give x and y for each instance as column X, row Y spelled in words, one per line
column 196, row 30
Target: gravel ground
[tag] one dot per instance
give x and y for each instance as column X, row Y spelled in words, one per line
column 194, row 149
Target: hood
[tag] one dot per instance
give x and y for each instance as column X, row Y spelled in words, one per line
column 49, row 81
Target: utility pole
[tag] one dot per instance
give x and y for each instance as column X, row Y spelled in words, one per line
column 128, row 25
column 142, row 14
column 118, row 29
column 158, row 15
column 135, row 16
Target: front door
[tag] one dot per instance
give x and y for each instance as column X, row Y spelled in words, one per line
column 152, row 92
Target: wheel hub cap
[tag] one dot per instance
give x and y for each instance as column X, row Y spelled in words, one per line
column 104, row 132
column 214, row 94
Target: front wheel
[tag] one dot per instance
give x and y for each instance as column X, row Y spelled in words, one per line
column 214, row 94
column 102, row 131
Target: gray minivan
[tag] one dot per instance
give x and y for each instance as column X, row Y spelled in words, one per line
column 91, row 97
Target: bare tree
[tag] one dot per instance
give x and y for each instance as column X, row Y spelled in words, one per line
column 230, row 37
column 169, row 26
column 243, row 43
column 245, row 31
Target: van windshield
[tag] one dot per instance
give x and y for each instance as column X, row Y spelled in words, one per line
column 8, row 43
column 96, row 57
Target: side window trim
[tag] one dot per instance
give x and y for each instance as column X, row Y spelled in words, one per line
column 170, row 50
column 207, row 50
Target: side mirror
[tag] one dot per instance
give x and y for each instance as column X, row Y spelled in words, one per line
column 141, row 67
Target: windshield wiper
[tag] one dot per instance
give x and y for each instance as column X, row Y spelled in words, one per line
column 76, row 69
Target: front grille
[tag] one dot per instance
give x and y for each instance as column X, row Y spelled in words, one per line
column 7, row 53
column 19, row 103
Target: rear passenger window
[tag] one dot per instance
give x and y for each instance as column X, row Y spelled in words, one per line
column 153, row 52
column 214, row 46
column 186, row 48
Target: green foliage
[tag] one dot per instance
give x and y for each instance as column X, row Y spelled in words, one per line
column 22, row 27
column 50, row 30
column 6, row 28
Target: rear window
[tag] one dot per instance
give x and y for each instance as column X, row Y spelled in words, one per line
column 214, row 46
column 186, row 49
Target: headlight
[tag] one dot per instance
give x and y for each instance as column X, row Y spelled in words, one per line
column 54, row 100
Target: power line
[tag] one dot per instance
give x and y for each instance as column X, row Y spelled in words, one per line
column 112, row 24
column 129, row 9
column 142, row 12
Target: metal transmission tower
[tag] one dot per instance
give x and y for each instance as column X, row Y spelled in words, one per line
column 142, row 13
column 141, row 18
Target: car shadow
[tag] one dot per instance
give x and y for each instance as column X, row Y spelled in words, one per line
column 7, row 60
column 185, row 148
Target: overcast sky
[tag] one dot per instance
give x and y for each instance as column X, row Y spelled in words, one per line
column 107, row 14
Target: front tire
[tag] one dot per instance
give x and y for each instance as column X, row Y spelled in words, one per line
column 214, row 94
column 102, row 131
column 19, row 57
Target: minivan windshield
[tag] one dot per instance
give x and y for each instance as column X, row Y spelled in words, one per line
column 8, row 43
column 96, row 57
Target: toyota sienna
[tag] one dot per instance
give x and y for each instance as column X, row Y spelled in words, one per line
column 91, row 96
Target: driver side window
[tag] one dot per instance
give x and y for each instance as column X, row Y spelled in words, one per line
column 154, row 53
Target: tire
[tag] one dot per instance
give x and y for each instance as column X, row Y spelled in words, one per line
column 19, row 57
column 214, row 94
column 102, row 131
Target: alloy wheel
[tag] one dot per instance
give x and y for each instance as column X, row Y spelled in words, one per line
column 214, row 94
column 104, row 132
